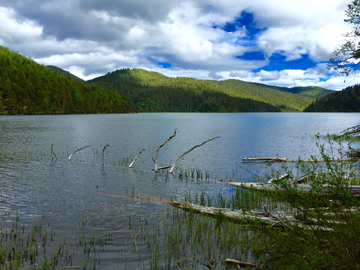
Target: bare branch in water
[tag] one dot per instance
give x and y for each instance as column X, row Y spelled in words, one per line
column 52, row 153
column 132, row 163
column 157, row 151
column 180, row 157
column 77, row 151
column 103, row 154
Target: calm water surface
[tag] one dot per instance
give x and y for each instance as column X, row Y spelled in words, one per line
column 66, row 196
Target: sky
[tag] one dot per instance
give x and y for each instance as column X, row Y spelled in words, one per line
column 274, row 42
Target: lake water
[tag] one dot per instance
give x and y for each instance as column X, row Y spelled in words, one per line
column 84, row 198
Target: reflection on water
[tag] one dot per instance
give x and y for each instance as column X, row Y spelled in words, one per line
column 64, row 194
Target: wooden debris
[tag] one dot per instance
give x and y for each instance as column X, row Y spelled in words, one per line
column 266, row 159
column 246, row 217
column 103, row 154
column 209, row 264
column 77, row 151
column 132, row 163
column 52, row 153
column 243, row 264
column 157, row 153
column 181, row 156
column 279, row 178
column 354, row 190
column 269, row 160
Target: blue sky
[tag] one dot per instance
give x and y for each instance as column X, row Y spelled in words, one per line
column 278, row 42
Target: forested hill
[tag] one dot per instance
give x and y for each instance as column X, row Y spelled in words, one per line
column 347, row 100
column 282, row 100
column 30, row 88
column 306, row 91
column 65, row 73
column 152, row 91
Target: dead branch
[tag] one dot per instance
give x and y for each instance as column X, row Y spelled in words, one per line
column 77, row 151
column 52, row 153
column 103, row 154
column 181, row 156
column 278, row 179
column 132, row 163
column 157, row 151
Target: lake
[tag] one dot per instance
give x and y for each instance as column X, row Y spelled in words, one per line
column 75, row 201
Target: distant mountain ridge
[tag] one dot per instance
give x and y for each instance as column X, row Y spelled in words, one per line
column 154, row 92
column 151, row 90
column 306, row 91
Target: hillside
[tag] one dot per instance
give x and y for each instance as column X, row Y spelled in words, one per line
column 306, row 91
column 347, row 100
column 152, row 91
column 30, row 88
column 280, row 99
column 65, row 73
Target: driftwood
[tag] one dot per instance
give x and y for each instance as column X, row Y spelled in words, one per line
column 243, row 264
column 52, row 153
column 269, row 160
column 181, row 156
column 246, row 217
column 103, row 154
column 77, row 151
column 132, row 163
column 353, row 189
column 157, row 153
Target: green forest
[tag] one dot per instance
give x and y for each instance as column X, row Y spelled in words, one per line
column 152, row 91
column 30, row 88
column 347, row 100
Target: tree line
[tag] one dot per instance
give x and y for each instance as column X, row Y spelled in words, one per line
column 347, row 100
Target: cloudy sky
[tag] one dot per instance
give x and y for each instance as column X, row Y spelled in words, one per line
column 275, row 42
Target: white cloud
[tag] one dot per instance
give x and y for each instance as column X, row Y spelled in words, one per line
column 91, row 37
column 15, row 29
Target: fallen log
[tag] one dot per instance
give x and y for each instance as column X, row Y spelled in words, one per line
column 269, row 160
column 243, row 264
column 245, row 217
column 266, row 159
column 353, row 189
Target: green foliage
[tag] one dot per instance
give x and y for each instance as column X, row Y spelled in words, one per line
column 346, row 58
column 65, row 73
column 331, row 238
column 281, row 99
column 347, row 100
column 29, row 88
column 187, row 94
column 306, row 91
